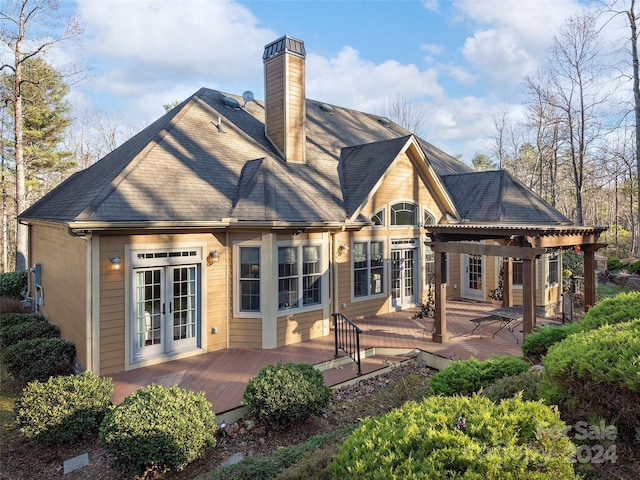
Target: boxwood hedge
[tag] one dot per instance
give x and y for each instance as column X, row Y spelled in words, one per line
column 26, row 330
column 63, row 408
column 39, row 358
column 158, row 429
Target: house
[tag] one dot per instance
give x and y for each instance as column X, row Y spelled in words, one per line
column 230, row 222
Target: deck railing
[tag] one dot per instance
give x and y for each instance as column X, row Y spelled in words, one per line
column 347, row 335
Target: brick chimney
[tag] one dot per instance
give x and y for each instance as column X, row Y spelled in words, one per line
column 285, row 97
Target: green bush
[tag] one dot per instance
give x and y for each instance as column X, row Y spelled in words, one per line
column 596, row 374
column 621, row 308
column 525, row 384
column 536, row 344
column 614, row 264
column 39, row 358
column 634, row 267
column 11, row 319
column 286, row 393
column 158, row 429
column 465, row 377
column 25, row 330
column 458, row 437
column 63, row 408
column 13, row 284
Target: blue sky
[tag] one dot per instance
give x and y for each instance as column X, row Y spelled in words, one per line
column 461, row 62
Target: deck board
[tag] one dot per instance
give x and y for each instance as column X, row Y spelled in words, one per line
column 223, row 375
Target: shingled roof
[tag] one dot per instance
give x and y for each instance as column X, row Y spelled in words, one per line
column 203, row 162
column 496, row 197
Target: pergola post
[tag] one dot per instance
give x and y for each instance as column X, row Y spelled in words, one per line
column 507, row 282
column 528, row 294
column 589, row 279
column 440, row 324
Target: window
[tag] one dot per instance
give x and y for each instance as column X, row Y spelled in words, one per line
column 378, row 218
column 404, row 213
column 428, row 218
column 553, row 268
column 299, row 272
column 249, row 279
column 429, row 266
column 516, row 271
column 368, row 268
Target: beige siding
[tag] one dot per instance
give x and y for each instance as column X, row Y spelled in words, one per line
column 244, row 332
column 275, row 101
column 113, row 299
column 299, row 327
column 64, row 268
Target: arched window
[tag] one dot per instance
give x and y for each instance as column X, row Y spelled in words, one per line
column 378, row 218
column 428, row 218
column 404, row 213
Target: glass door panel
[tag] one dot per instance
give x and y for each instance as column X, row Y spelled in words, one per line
column 474, row 276
column 183, row 308
column 149, row 305
column 402, row 277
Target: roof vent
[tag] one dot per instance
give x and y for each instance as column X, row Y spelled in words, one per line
column 384, row 121
column 326, row 108
column 231, row 102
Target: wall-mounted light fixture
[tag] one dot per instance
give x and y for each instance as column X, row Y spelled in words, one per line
column 213, row 257
column 116, row 263
column 342, row 249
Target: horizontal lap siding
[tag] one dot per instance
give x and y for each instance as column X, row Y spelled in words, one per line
column 299, row 327
column 63, row 260
column 113, row 301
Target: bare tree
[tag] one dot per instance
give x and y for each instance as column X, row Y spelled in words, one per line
column 406, row 113
column 28, row 28
column 577, row 93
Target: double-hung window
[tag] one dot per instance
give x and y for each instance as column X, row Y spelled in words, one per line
column 299, row 276
column 516, row 272
column 368, row 268
column 249, row 279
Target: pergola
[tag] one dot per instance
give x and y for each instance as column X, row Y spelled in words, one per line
column 525, row 242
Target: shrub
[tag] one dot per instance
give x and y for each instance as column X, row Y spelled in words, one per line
column 13, row 284
column 596, row 374
column 465, row 377
column 614, row 264
column 634, row 267
column 63, row 408
column 458, row 437
column 39, row 358
column 11, row 319
column 536, row 344
column 158, row 429
column 621, row 308
column 525, row 384
column 286, row 393
column 25, row 330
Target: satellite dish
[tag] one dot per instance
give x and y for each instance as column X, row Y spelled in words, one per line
column 247, row 96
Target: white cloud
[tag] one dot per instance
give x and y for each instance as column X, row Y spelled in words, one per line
column 432, row 5
column 351, row 81
column 145, row 45
column 511, row 38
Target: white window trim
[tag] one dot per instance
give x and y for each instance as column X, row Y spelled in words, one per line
column 237, row 312
column 276, row 270
column 385, row 274
column 419, row 209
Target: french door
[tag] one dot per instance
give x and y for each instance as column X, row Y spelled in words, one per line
column 403, row 274
column 474, row 277
column 166, row 310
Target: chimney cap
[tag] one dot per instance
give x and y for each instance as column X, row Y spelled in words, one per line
column 282, row 45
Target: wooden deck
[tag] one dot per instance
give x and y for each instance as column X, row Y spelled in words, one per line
column 223, row 374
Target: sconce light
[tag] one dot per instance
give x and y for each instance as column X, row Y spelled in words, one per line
column 342, row 249
column 213, row 257
column 116, row 263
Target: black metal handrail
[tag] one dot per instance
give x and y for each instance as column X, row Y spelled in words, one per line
column 347, row 335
